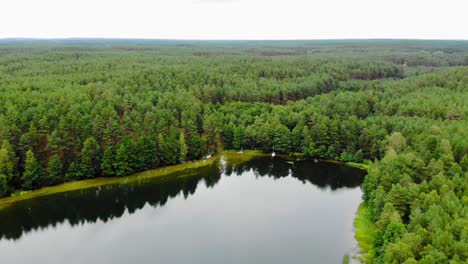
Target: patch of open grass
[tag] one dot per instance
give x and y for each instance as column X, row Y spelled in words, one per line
column 358, row 165
column 84, row 184
column 232, row 158
column 364, row 232
column 244, row 151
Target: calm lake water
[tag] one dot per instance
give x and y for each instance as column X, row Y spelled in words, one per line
column 266, row 210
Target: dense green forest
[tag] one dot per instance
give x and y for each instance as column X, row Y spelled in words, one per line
column 78, row 109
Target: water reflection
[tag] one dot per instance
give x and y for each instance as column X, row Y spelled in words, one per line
column 109, row 202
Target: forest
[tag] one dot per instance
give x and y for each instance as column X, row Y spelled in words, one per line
column 78, row 109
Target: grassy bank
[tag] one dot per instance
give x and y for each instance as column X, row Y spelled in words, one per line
column 167, row 171
column 364, row 231
column 361, row 166
column 231, row 156
column 84, row 184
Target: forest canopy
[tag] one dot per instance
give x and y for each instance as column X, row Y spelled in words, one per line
column 79, row 109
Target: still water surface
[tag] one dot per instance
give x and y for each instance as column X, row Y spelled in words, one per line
column 262, row 211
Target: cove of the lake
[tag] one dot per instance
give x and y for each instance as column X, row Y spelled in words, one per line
column 265, row 210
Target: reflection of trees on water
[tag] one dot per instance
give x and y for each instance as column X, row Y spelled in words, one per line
column 323, row 175
column 109, row 202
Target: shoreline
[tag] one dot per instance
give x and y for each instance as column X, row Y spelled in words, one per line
column 159, row 172
column 165, row 172
column 363, row 233
column 362, row 225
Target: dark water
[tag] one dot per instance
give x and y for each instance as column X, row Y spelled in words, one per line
column 263, row 211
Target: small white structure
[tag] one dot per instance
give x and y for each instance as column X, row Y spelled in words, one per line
column 273, row 154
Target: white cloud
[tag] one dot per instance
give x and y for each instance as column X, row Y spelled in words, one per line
column 235, row 19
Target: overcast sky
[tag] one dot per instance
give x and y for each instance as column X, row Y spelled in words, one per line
column 235, row 19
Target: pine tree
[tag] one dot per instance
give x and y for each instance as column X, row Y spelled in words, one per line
column 282, row 139
column 297, row 137
column 122, row 166
column 183, row 148
column 238, row 139
column 32, row 172
column 196, row 149
column 6, row 166
column 3, row 185
column 107, row 164
column 308, row 144
column 90, row 158
column 358, row 156
column 55, row 143
column 464, row 162
column 54, row 170
column 73, row 172
column 7, row 161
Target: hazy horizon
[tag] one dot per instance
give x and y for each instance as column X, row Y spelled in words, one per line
column 193, row 39
column 235, row 19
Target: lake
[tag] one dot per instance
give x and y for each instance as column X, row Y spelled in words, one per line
column 264, row 210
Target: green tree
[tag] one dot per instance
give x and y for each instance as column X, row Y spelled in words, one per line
column 282, row 139
column 90, row 158
column 3, row 185
column 7, row 161
column 397, row 141
column 73, row 172
column 6, row 165
column 183, row 148
column 464, row 162
column 122, row 166
column 54, row 170
column 32, row 172
column 297, row 138
column 108, row 162
column 238, row 139
column 358, row 156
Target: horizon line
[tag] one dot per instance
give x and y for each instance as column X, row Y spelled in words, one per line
column 215, row 39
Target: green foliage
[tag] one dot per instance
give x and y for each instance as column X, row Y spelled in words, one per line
column 122, row 161
column 7, row 163
column 282, row 139
column 238, row 138
column 183, row 148
column 32, row 174
column 84, row 110
column 73, row 172
column 3, row 185
column 358, row 156
column 464, row 162
column 90, row 158
column 107, row 164
column 55, row 170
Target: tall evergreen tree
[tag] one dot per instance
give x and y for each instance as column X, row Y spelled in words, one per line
column 108, row 162
column 32, row 172
column 282, row 139
column 90, row 158
column 3, row 185
column 54, row 170
column 6, row 164
column 183, row 148
column 122, row 166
